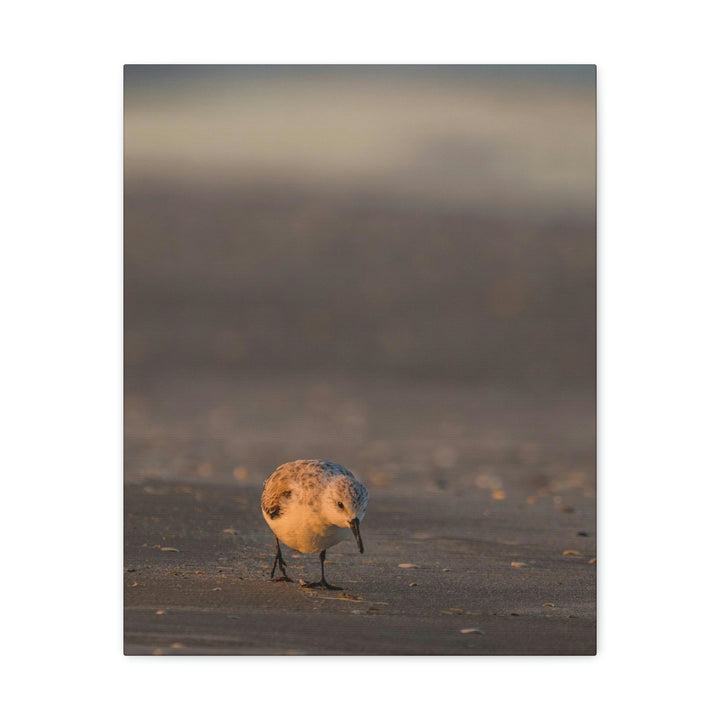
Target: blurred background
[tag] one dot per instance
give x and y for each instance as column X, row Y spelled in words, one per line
column 393, row 267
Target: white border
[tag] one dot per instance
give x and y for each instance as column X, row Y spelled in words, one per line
column 61, row 299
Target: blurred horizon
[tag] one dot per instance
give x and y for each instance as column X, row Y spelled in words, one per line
column 482, row 137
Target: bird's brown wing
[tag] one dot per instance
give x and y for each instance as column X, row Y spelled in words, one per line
column 276, row 493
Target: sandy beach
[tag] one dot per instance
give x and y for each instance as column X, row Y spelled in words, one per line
column 389, row 268
column 513, row 567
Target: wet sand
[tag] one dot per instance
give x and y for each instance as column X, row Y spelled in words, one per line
column 198, row 556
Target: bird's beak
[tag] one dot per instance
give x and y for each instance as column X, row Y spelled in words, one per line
column 355, row 527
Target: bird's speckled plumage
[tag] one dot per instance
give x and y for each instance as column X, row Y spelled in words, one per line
column 309, row 504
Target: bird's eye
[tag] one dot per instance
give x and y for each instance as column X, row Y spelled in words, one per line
column 340, row 505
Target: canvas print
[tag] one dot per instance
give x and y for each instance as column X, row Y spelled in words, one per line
column 359, row 360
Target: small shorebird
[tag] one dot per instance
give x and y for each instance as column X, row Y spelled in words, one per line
column 312, row 505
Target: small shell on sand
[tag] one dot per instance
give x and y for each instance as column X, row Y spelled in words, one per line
column 472, row 631
column 407, row 565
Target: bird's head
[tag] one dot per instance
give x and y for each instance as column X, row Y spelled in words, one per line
column 344, row 504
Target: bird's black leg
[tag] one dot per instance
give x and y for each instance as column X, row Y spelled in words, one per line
column 279, row 562
column 323, row 582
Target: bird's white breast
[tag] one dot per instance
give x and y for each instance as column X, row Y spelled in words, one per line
column 306, row 531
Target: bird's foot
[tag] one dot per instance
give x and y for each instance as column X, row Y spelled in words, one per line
column 280, row 564
column 321, row 584
column 282, row 578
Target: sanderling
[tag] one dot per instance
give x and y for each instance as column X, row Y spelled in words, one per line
column 311, row 505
